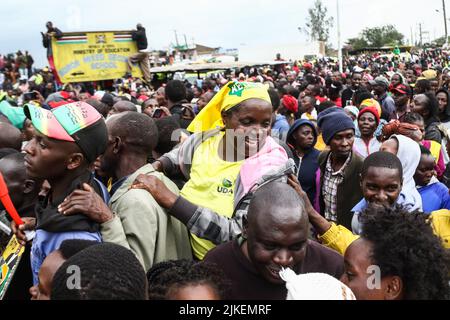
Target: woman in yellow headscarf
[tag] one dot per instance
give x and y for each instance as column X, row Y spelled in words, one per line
column 230, row 153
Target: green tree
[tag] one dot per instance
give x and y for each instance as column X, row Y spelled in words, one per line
column 377, row 37
column 357, row 43
column 318, row 24
column 439, row 42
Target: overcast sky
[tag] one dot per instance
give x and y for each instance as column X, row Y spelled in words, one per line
column 228, row 23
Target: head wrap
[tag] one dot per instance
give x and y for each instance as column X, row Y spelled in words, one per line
column 406, row 129
column 429, row 74
column 232, row 94
column 371, row 103
column 290, row 103
column 353, row 110
column 371, row 110
column 409, row 155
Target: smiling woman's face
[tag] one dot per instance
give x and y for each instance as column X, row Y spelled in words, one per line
column 250, row 123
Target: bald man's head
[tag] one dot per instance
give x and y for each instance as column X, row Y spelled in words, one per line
column 137, row 130
column 276, row 229
column 10, row 136
column 123, row 106
column 273, row 197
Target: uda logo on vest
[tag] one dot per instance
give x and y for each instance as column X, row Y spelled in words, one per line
column 226, row 187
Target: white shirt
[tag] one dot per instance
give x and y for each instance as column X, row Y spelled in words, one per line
column 364, row 150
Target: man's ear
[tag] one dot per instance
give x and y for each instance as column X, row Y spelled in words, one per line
column 360, row 180
column 75, row 161
column 394, row 288
column 29, row 186
column 118, row 145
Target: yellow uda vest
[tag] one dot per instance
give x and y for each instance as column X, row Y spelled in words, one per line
column 211, row 186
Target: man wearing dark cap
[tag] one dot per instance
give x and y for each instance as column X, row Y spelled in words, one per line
column 380, row 87
column 107, row 99
column 402, row 95
column 67, row 141
column 339, row 167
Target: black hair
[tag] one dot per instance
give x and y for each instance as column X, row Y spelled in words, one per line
column 432, row 104
column 107, row 272
column 423, row 84
column 311, row 99
column 70, row 247
column 404, row 245
column 317, row 90
column 382, row 159
column 325, row 105
column 292, row 91
column 138, row 129
column 355, row 72
column 101, row 107
column 167, row 276
column 334, row 90
column 7, row 151
column 361, row 95
column 175, row 91
column 412, row 117
column 189, row 94
column 166, row 126
column 445, row 115
column 274, row 99
column 208, row 84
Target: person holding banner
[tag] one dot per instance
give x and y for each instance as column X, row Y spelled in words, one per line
column 142, row 55
column 47, row 43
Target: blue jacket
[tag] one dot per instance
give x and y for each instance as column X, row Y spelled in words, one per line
column 306, row 170
column 46, row 242
column 280, row 127
column 434, row 197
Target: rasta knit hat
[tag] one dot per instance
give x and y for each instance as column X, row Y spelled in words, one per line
column 332, row 121
column 76, row 122
column 372, row 110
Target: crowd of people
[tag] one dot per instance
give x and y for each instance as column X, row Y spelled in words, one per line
column 233, row 186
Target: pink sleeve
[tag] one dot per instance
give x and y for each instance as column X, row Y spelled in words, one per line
column 316, row 203
column 440, row 167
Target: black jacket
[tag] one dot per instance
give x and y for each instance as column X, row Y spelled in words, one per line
column 141, row 38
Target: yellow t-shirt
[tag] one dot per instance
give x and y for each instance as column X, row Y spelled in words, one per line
column 211, row 186
column 320, row 144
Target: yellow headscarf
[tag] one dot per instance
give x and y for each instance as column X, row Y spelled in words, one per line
column 229, row 96
column 429, row 74
column 371, row 103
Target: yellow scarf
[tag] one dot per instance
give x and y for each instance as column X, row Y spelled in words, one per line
column 229, row 96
